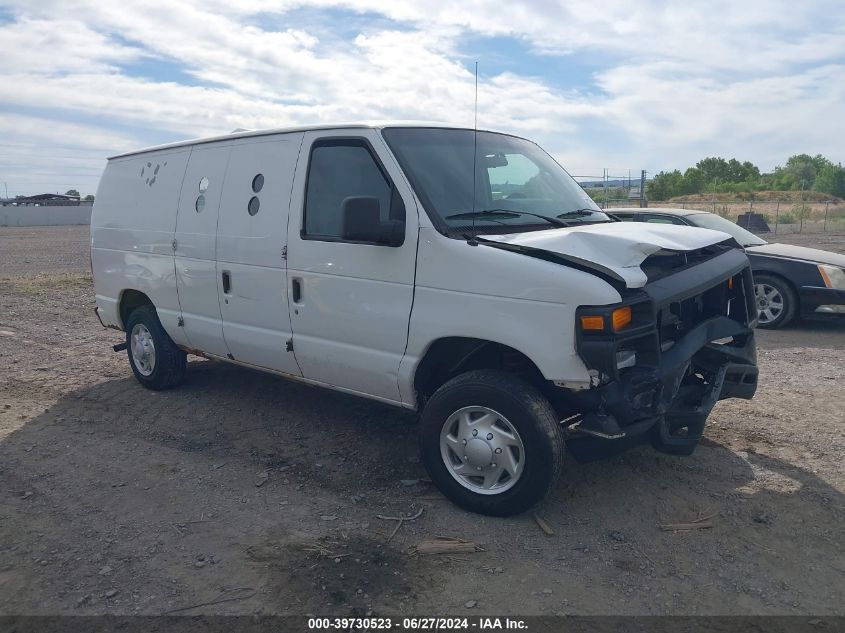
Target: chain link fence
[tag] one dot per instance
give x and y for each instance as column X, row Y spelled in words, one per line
column 783, row 216
column 620, row 189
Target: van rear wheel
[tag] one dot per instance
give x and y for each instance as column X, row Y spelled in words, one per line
column 155, row 359
column 491, row 443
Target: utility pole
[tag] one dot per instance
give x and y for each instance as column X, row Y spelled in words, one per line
column 803, row 209
column 715, row 180
column 643, row 201
column 605, row 189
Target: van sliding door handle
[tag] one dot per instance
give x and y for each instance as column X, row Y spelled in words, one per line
column 296, row 290
column 227, row 282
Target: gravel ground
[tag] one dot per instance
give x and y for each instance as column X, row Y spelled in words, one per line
column 244, row 487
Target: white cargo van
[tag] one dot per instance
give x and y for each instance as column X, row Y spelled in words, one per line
column 461, row 274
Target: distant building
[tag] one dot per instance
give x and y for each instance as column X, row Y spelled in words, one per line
column 41, row 199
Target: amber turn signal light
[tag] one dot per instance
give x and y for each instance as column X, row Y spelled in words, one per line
column 621, row 317
column 592, row 323
column 730, row 283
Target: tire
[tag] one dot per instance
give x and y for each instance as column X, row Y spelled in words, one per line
column 510, row 413
column 770, row 292
column 165, row 366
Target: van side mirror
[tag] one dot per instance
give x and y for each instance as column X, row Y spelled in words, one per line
column 361, row 222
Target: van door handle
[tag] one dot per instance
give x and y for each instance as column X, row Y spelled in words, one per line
column 227, row 282
column 296, row 290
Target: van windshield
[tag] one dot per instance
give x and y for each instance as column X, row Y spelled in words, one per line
column 518, row 186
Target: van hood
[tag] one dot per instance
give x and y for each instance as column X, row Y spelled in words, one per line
column 618, row 247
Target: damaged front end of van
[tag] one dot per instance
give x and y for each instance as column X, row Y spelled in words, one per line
column 680, row 340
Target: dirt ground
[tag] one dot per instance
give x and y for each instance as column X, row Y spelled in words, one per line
column 244, row 487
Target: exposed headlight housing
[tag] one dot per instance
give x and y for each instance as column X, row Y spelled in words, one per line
column 626, row 358
column 833, row 276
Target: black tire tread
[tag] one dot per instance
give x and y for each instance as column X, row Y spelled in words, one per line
column 171, row 362
column 522, row 395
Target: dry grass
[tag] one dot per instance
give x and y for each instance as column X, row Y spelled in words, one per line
column 788, row 207
column 808, row 215
column 44, row 283
column 785, row 197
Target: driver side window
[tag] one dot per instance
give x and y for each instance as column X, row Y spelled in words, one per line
column 340, row 169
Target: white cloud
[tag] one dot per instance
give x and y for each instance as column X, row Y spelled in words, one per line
column 39, row 154
column 58, row 45
column 759, row 80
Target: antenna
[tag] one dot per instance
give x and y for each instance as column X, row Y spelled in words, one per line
column 474, row 155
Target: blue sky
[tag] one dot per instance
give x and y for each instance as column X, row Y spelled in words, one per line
column 624, row 86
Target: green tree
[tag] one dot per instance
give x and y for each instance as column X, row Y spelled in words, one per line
column 799, row 172
column 714, row 168
column 89, row 198
column 72, row 192
column 831, row 179
column 693, row 181
column 736, row 172
column 665, row 185
column 750, row 171
column 613, row 194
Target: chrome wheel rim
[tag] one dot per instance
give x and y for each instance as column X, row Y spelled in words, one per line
column 482, row 450
column 770, row 303
column 143, row 349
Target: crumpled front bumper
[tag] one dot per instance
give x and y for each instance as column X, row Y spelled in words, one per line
column 668, row 397
column 692, row 388
column 669, row 404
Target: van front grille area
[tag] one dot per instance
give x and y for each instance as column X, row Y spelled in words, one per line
column 666, row 262
column 677, row 317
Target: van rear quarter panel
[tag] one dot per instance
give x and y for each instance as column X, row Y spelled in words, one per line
column 132, row 228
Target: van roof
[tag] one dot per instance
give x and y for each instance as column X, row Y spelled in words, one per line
column 298, row 128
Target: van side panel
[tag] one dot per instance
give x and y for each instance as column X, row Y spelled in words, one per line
column 251, row 236
column 132, row 227
column 196, row 245
column 508, row 298
column 350, row 321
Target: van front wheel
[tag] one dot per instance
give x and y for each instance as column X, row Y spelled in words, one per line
column 155, row 359
column 491, row 443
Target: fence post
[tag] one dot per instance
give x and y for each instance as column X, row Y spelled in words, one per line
column 777, row 216
column 826, row 205
column 604, row 206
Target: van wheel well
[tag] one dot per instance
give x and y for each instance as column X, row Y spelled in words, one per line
column 448, row 357
column 129, row 301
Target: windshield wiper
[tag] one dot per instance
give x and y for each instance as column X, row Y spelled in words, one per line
column 504, row 213
column 577, row 213
column 586, row 211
